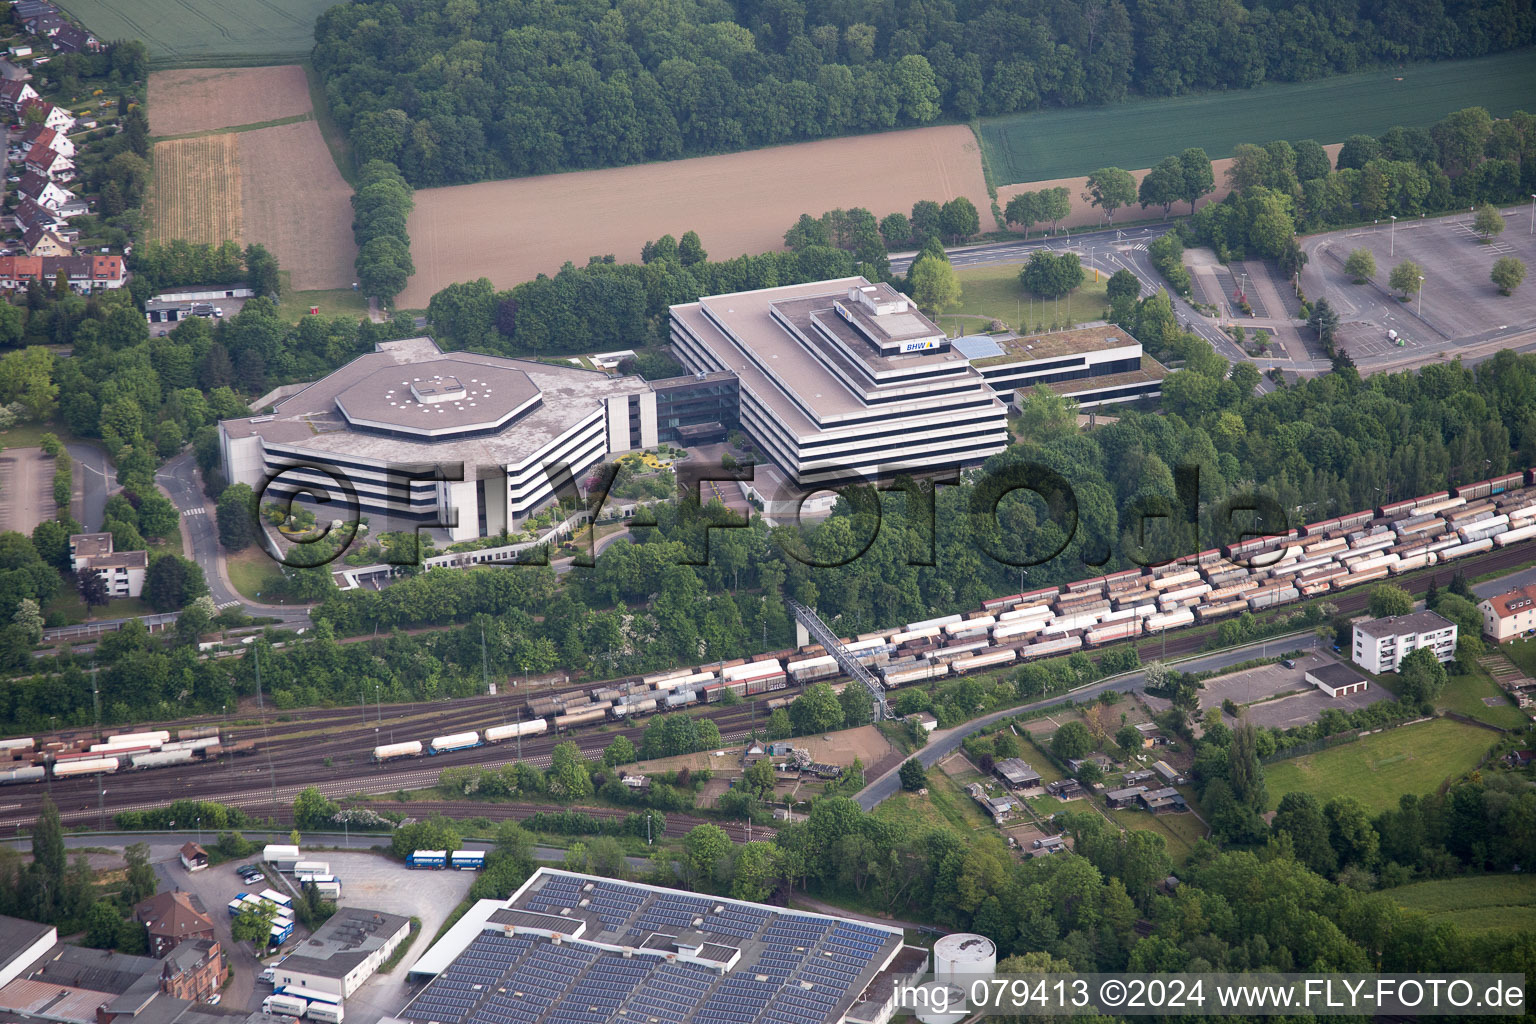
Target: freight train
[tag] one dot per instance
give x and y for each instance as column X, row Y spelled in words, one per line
column 25, row 760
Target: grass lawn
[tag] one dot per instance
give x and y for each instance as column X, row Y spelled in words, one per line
column 1180, row 831
column 334, row 302
column 945, row 804
column 1481, row 903
column 73, row 608
column 994, row 293
column 1464, row 695
column 1380, row 768
column 253, row 573
column 30, row 435
column 1523, row 654
column 1068, row 143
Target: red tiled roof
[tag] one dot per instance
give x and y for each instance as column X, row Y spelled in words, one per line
column 1514, row 602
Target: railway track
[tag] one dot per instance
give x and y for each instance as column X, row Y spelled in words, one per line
column 293, row 755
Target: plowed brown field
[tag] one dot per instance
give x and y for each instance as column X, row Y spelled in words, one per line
column 201, row 99
column 739, row 203
column 294, row 201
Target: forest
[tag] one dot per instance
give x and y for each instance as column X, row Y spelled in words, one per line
column 466, row 92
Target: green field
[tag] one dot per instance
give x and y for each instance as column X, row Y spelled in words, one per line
column 1464, row 695
column 1482, row 903
column 1069, row 143
column 1380, row 768
column 189, row 33
column 1180, row 831
column 993, row 293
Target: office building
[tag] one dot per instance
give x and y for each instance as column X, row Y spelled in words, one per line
column 472, row 442
column 1095, row 365
column 1381, row 644
column 842, row 381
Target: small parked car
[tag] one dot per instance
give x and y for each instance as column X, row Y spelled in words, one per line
column 1289, row 663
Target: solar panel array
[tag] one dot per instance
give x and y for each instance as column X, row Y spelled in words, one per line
column 808, row 966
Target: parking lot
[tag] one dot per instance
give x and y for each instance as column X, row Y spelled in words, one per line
column 1258, row 692
column 1460, row 305
column 26, row 489
column 369, row 881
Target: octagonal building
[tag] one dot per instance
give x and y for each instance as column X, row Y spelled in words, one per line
column 471, row 442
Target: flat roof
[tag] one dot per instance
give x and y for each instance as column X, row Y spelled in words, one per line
column 634, row 963
column 1334, row 674
column 90, row 545
column 339, row 944
column 437, row 395
column 1151, row 372
column 1057, row 344
column 17, row 936
column 1400, row 625
column 310, row 421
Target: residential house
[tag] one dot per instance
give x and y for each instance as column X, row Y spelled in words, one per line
column 1381, row 644
column 1159, row 801
column 193, row 857
column 1510, row 615
column 92, row 272
column 1117, row 798
column 12, row 72
column 44, row 160
column 51, row 116
column 54, row 140
column 14, row 93
column 194, row 970
column 20, row 50
column 1016, row 774
column 71, row 38
column 16, row 272
column 172, row 918
column 43, row 191
column 26, row 10
column 32, row 214
column 123, row 571
column 41, row 241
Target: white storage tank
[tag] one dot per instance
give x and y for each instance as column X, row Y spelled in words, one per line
column 938, row 1003
column 960, row 957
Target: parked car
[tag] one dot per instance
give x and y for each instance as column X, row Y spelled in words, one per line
column 212, row 1000
column 1289, row 663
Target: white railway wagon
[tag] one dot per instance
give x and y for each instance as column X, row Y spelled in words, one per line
column 1067, row 623
column 1354, row 579
column 454, row 741
column 125, row 739
column 661, row 677
column 1185, row 593
column 1516, row 535
column 1522, row 512
column 1170, row 620
column 1412, row 562
column 31, row 773
column 1047, row 648
column 969, row 628
column 532, row 727
column 1463, row 550
column 1016, row 630
column 1444, row 505
column 16, row 745
column 89, row 766
column 808, row 669
column 1226, row 593
column 1176, row 579
column 161, row 759
column 923, row 633
column 990, row 659
column 1484, row 528
column 1034, row 611
column 1114, row 631
column 960, row 650
column 940, row 622
column 639, row 707
column 1386, row 561
column 916, row 673
column 1377, row 543
column 391, row 751
column 751, row 669
column 1272, row 596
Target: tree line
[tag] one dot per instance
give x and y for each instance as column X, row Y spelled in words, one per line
column 381, row 205
column 497, row 90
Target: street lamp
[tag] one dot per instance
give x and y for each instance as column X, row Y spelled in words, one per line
column 1392, row 244
column 1533, row 213
column 1420, row 311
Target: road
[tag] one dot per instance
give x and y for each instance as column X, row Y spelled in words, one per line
column 99, row 482
column 1111, row 248
column 180, row 479
column 945, row 741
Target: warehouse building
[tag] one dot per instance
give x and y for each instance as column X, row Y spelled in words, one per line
column 341, row 955
column 1381, row 644
column 574, row 947
column 386, row 426
column 843, row 381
